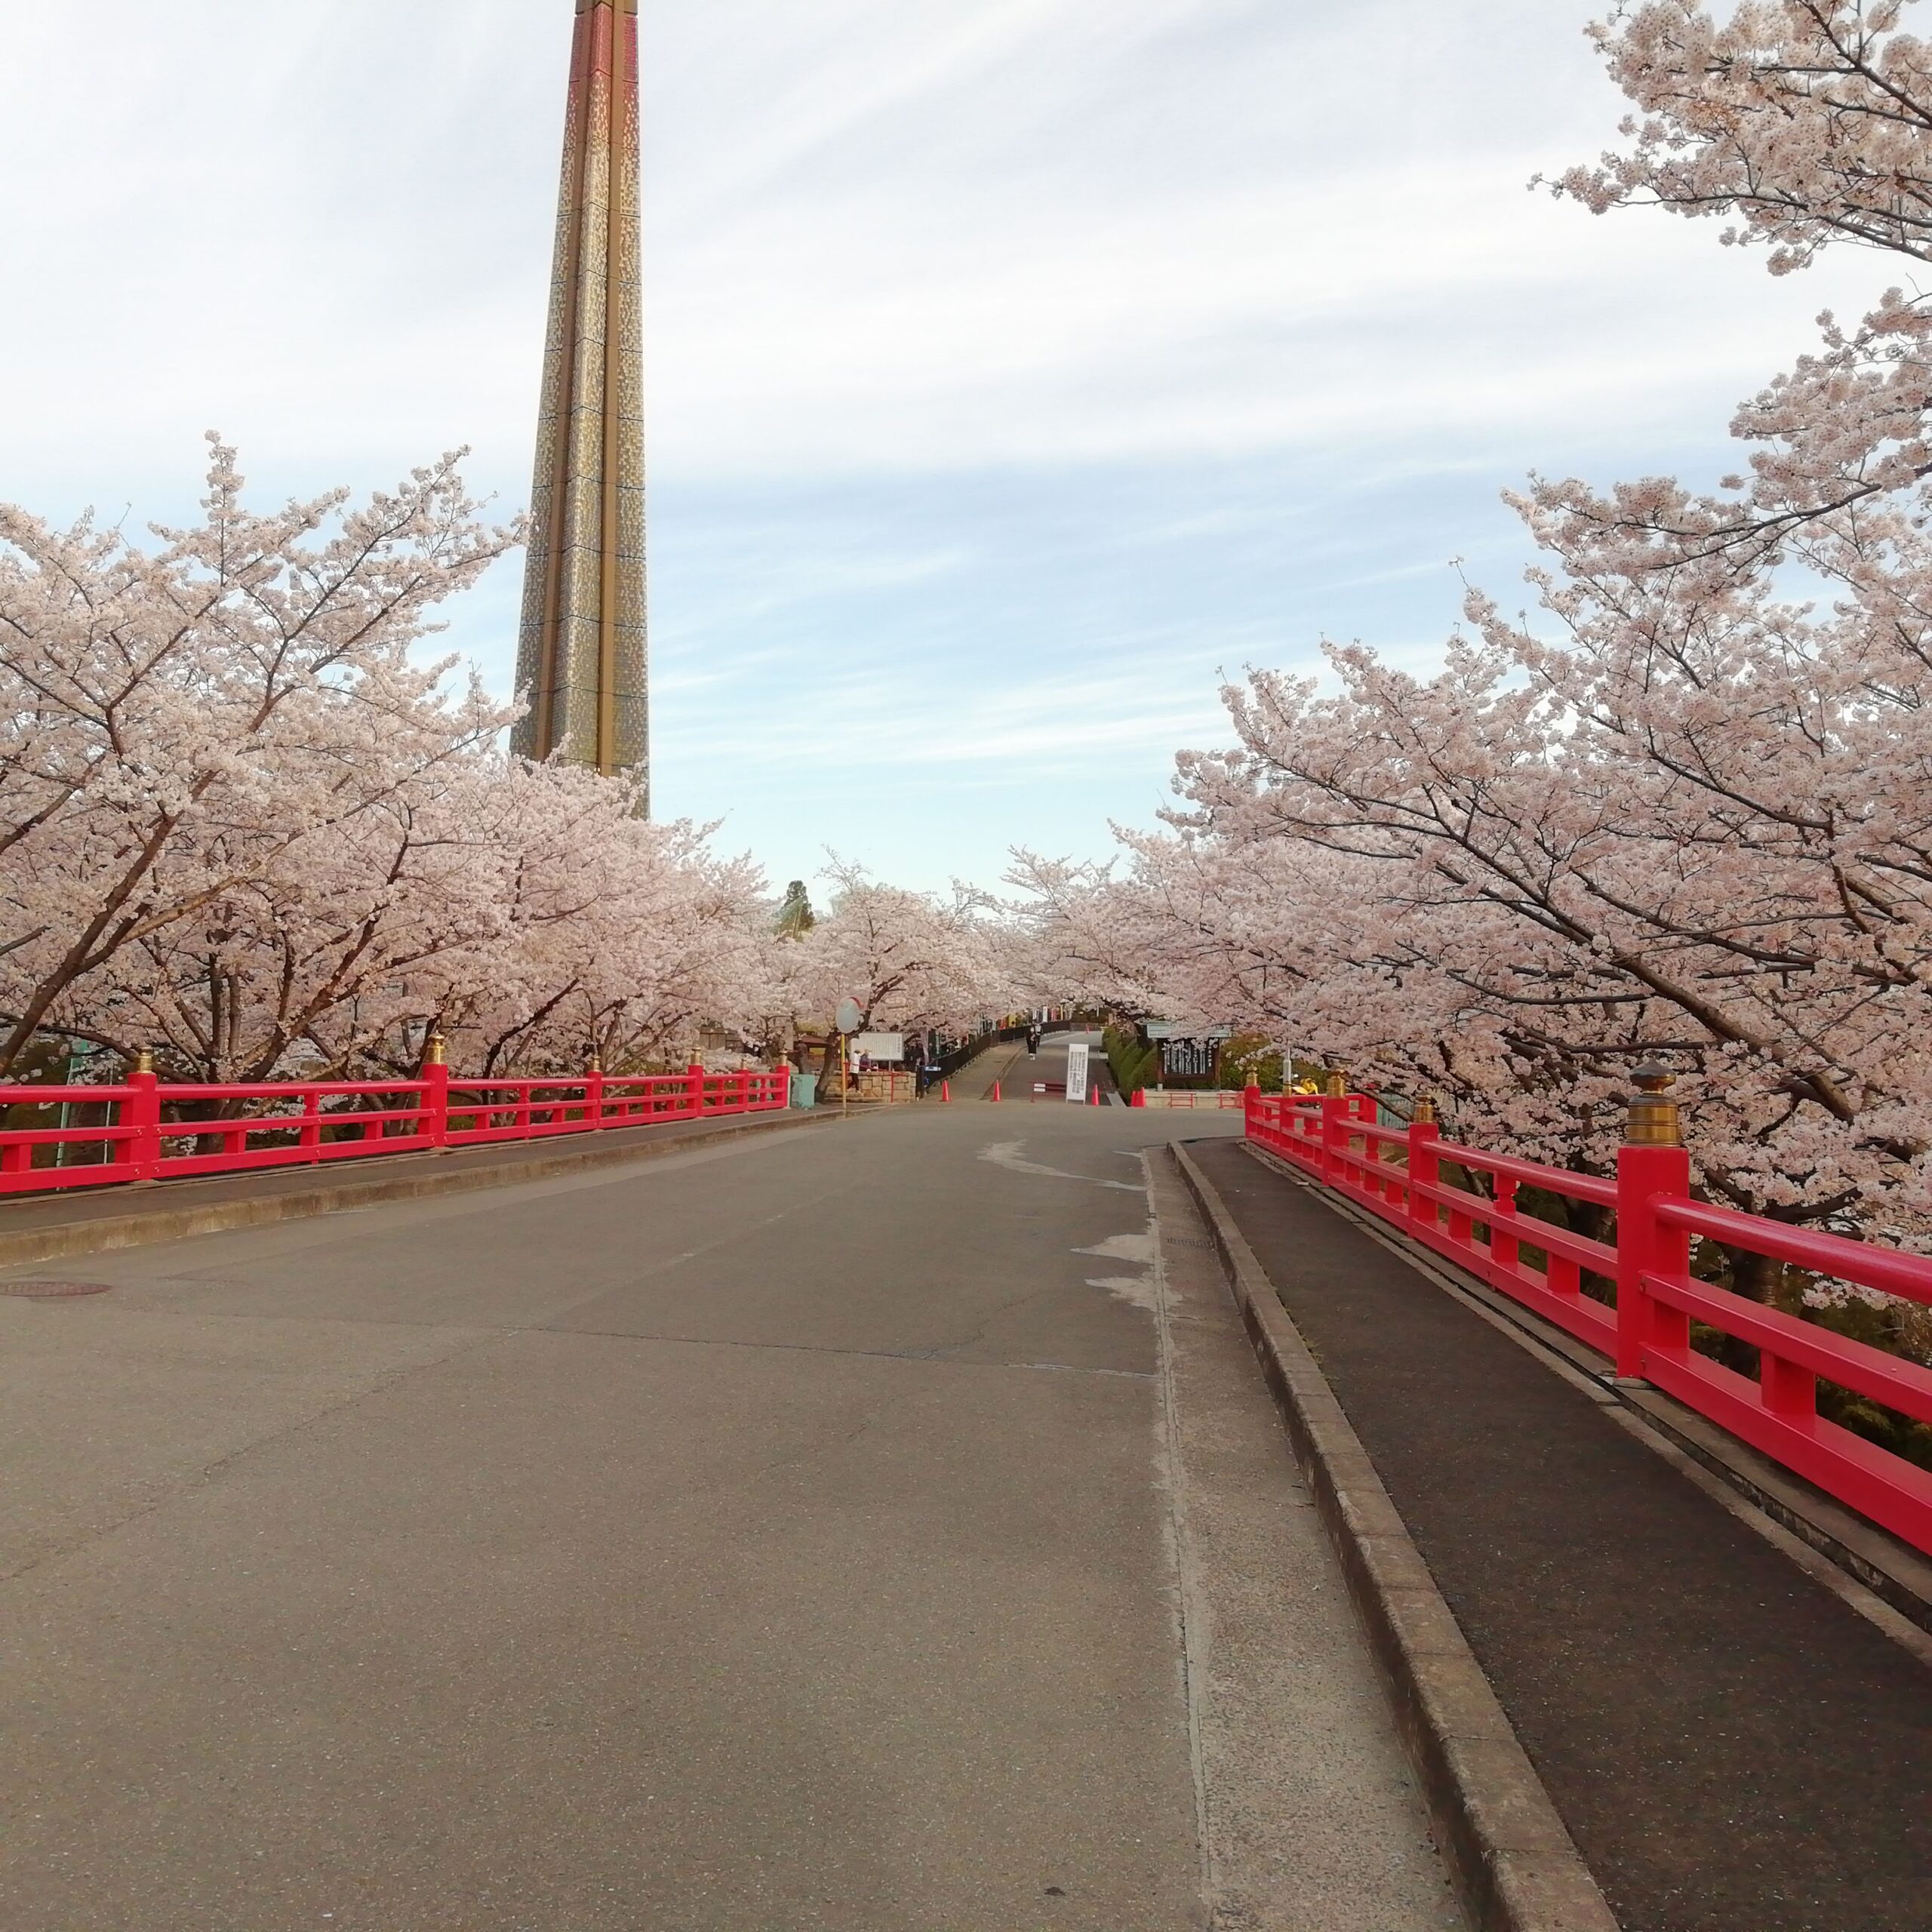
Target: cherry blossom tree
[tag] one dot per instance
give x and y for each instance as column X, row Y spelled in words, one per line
column 245, row 823
column 179, row 729
column 1684, row 810
column 336, row 963
column 1804, row 124
column 622, row 938
column 908, row 960
column 1285, row 939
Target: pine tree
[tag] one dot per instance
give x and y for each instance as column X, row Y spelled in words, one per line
column 795, row 917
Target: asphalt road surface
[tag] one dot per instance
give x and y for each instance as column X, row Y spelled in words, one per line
column 881, row 1526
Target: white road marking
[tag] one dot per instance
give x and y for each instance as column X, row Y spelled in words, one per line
column 1136, row 1248
column 1139, row 1289
column 1007, row 1154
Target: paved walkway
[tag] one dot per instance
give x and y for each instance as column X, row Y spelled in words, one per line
column 1733, row 1748
column 997, row 1065
column 1016, row 1070
column 881, row 1528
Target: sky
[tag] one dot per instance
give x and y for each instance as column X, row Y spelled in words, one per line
column 1017, row 369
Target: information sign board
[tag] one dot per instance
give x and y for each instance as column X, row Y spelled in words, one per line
column 1190, row 1059
column 1076, row 1072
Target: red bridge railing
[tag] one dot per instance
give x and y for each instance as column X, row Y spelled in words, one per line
column 152, row 1133
column 1397, row 1174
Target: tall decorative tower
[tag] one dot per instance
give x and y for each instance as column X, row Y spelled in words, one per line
column 581, row 659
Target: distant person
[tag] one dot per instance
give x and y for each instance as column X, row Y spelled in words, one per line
column 1032, row 1042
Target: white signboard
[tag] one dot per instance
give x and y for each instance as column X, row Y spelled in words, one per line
column 1076, row 1072
column 883, row 1048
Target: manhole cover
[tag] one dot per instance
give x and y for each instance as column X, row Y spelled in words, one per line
column 53, row 1291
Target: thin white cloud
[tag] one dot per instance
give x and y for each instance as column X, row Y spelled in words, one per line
column 1013, row 363
column 894, row 236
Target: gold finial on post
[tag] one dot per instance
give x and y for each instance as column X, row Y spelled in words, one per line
column 1338, row 1084
column 435, row 1050
column 1653, row 1120
column 1425, row 1112
column 596, row 1062
column 144, row 1061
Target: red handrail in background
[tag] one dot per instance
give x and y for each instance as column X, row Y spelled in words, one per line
column 302, row 1123
column 1396, row 1172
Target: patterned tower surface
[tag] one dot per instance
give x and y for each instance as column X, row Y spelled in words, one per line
column 581, row 659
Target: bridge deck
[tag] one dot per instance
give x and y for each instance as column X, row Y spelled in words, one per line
column 844, row 1527
column 1731, row 1744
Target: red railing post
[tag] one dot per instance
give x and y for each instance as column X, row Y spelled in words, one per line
column 435, row 1122
column 744, row 1106
column 593, row 1093
column 1336, row 1113
column 1425, row 1166
column 695, row 1076
column 1651, row 1164
column 144, row 1116
column 1250, row 1108
column 1365, row 1109
column 1505, row 1243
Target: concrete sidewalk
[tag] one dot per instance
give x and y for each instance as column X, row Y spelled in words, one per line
column 1733, row 1747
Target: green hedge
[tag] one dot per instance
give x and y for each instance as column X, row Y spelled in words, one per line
column 1131, row 1064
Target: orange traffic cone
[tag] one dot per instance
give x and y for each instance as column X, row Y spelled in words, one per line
column 945, row 1089
column 1093, row 1097
column 994, row 1094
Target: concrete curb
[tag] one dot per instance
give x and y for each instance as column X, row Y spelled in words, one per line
column 417, row 1177
column 1514, row 1865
